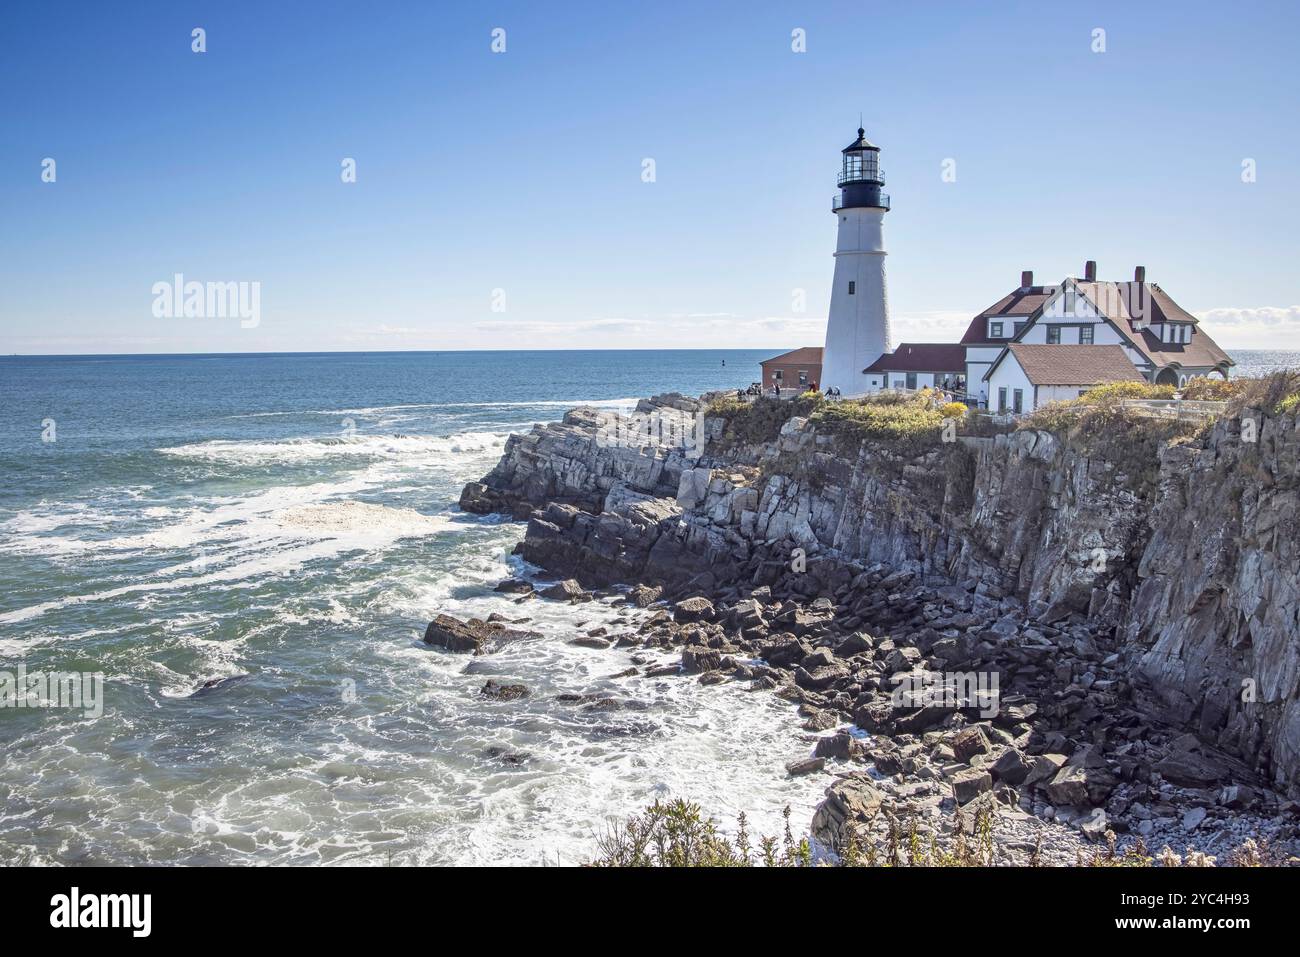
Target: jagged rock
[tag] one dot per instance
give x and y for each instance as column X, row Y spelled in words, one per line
column 698, row 660
column 1077, row 785
column 514, row 586
column 840, row 746
column 1190, row 770
column 1094, row 824
column 474, row 636
column 970, row 784
column 1239, row 797
column 969, row 742
column 693, row 609
column 1193, row 818
column 645, row 595
column 806, row 766
column 1011, row 767
column 1044, row 768
column 502, row 692
column 850, row 803
column 820, row 678
column 567, row 590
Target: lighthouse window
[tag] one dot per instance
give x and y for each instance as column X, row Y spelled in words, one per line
column 852, row 287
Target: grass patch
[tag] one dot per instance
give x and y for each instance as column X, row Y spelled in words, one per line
column 910, row 423
column 760, row 421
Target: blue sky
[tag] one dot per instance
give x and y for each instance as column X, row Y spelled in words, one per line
column 522, row 171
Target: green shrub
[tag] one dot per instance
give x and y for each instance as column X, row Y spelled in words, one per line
column 1206, row 389
column 1117, row 391
column 910, row 421
column 676, row 834
column 751, row 423
column 1276, row 392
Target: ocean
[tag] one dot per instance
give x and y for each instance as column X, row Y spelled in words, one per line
column 290, row 522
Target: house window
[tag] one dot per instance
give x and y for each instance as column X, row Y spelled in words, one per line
column 1069, row 302
column 1085, row 335
column 1019, row 402
column 898, row 383
column 1020, row 326
column 1002, row 399
column 1053, row 335
column 995, row 330
column 778, row 375
column 852, row 287
column 911, row 380
column 803, row 376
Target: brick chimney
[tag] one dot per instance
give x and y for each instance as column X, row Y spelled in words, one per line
column 1140, row 274
column 1026, row 279
column 1090, row 271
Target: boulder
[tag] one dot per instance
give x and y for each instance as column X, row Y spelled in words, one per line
column 693, row 609
column 970, row 784
column 697, row 660
column 514, row 586
column 798, row 769
column 841, row 746
column 567, row 590
column 1076, row 785
column 645, row 595
column 1189, row 769
column 501, row 692
column 472, row 636
column 1011, row 767
column 850, row 804
column 969, row 742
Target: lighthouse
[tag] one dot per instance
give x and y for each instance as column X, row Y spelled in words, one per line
column 857, row 330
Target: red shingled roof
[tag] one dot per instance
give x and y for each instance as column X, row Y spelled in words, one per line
column 1071, row 365
column 809, row 354
column 1015, row 306
column 922, row 357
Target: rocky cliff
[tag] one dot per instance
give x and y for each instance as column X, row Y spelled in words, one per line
column 1196, row 575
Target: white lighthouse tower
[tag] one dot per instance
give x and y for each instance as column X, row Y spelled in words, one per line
column 857, row 332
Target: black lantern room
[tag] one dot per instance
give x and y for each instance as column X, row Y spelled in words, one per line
column 861, row 176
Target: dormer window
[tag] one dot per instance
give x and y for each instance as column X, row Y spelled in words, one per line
column 995, row 330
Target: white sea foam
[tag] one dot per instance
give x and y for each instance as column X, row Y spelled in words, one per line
column 382, row 409
column 413, row 449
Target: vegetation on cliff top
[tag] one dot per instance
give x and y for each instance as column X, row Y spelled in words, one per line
column 760, row 421
column 910, row 423
column 677, row 834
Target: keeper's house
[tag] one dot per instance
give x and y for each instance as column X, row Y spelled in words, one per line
column 920, row 365
column 799, row 369
column 1024, row 377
